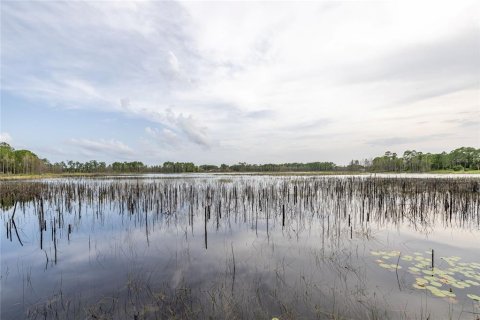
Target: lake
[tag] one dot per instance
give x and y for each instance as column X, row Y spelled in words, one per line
column 241, row 247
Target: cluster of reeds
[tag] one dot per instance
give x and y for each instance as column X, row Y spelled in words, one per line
column 343, row 207
column 352, row 201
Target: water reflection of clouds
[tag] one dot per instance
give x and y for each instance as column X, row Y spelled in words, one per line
column 460, row 238
column 108, row 249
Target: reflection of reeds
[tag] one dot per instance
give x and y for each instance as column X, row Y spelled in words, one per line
column 363, row 198
column 139, row 300
column 344, row 207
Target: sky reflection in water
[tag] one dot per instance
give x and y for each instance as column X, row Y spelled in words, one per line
column 319, row 263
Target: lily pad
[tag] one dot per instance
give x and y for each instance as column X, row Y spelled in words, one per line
column 473, row 297
column 435, row 283
column 418, row 286
column 439, row 294
column 448, row 274
column 473, row 283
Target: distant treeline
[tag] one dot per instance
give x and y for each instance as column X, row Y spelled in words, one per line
column 463, row 158
column 26, row 162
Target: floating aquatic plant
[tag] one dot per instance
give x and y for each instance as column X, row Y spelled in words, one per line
column 443, row 281
column 473, row 297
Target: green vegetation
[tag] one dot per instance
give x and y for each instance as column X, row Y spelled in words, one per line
column 457, row 160
column 445, row 282
column 463, row 159
column 20, row 161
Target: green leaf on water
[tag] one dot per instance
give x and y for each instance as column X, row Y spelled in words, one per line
column 457, row 285
column 464, row 284
column 435, row 283
column 418, row 286
column 452, row 274
column 439, row 294
column 473, row 283
column 429, row 272
column 473, row 297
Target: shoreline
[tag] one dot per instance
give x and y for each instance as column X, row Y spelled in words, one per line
column 15, row 177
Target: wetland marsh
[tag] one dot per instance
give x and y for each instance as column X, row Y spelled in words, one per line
column 241, row 247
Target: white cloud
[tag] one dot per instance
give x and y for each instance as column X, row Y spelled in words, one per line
column 110, row 147
column 5, row 137
column 178, row 129
column 194, row 131
column 164, row 137
column 172, row 59
column 242, row 79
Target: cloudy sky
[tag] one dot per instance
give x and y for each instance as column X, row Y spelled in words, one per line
column 224, row 82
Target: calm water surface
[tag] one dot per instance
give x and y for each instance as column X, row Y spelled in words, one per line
column 241, row 246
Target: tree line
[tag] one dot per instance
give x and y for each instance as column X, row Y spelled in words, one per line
column 26, row 162
column 19, row 161
column 464, row 158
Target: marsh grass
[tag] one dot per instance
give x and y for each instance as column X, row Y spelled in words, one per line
column 345, row 207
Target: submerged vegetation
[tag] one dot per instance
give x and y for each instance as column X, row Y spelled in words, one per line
column 26, row 162
column 236, row 247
